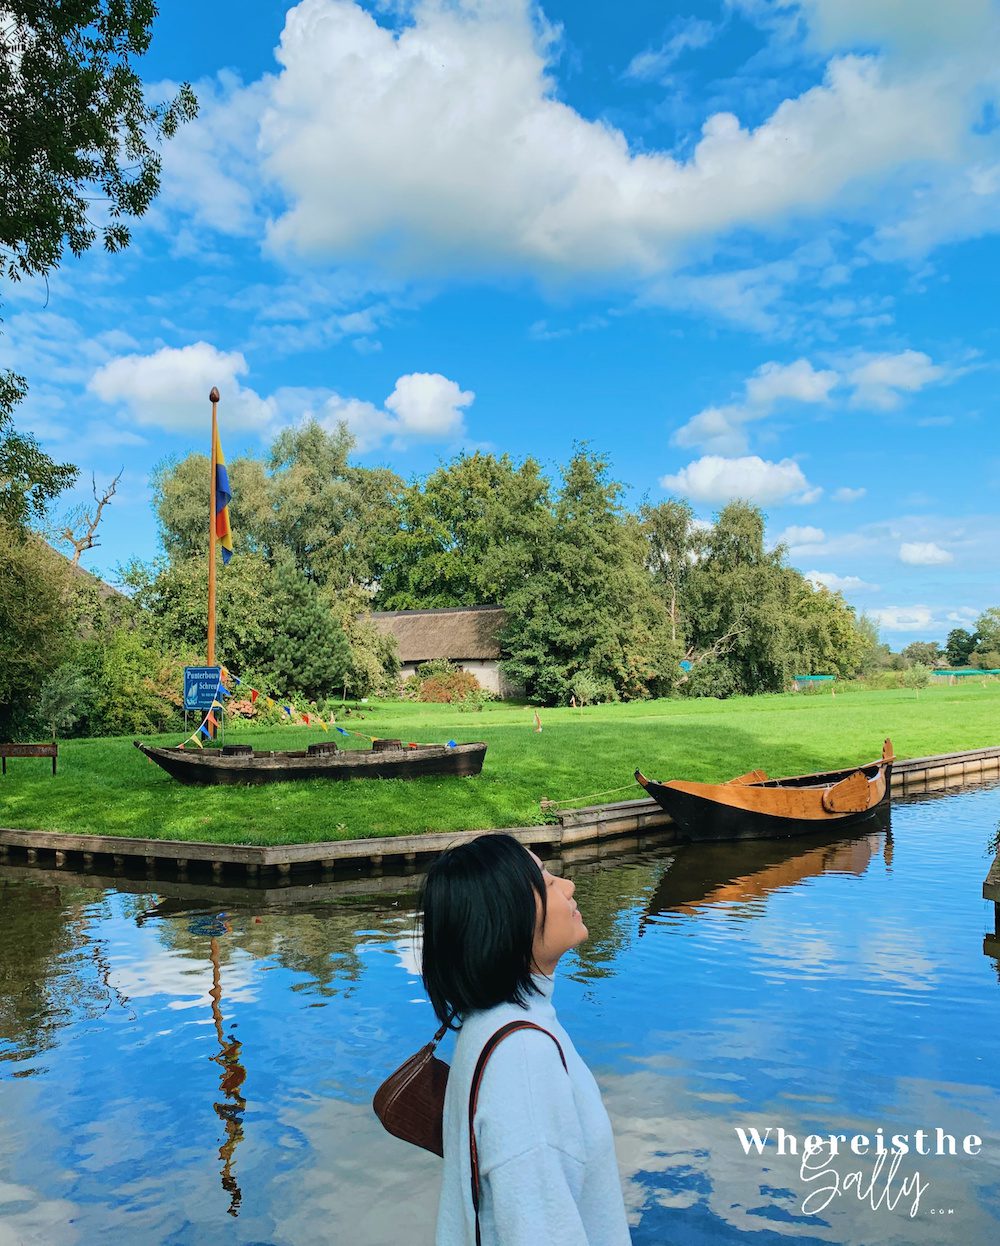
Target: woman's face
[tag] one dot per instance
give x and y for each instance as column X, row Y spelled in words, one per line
column 564, row 926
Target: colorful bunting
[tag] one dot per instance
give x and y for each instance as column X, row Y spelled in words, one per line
column 254, row 694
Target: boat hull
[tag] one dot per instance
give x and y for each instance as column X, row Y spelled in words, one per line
column 213, row 769
column 774, row 808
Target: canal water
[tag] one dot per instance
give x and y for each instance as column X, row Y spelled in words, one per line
column 177, row 1071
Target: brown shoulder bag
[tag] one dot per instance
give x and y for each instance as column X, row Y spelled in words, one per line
column 410, row 1102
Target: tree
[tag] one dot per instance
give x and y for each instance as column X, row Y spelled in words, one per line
column 79, row 531
column 670, row 532
column 35, row 625
column 311, row 653
column 922, row 653
column 64, row 698
column 588, row 603
column 466, row 536
column 305, row 501
column 917, row 676
column 735, row 603
column 74, row 121
column 959, row 646
column 29, row 479
column 988, row 629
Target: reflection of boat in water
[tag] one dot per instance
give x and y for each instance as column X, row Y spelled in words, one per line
column 752, row 806
column 723, row 873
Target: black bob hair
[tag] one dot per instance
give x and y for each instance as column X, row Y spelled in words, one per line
column 479, row 916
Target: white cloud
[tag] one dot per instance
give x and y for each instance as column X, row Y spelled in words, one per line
column 362, row 132
column 427, row 404
column 801, row 535
column 169, row 388
column 840, row 583
column 905, row 618
column 846, row 494
column 924, row 554
column 713, row 478
column 912, row 30
column 878, row 379
column 689, row 34
column 210, row 166
column 721, row 428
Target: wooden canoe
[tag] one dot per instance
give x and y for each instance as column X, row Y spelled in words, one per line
column 387, row 759
column 752, row 806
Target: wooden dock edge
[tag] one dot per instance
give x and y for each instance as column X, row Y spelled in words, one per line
column 574, row 828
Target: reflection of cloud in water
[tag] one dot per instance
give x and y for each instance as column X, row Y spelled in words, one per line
column 674, row 1154
column 153, row 970
column 409, row 950
column 362, row 1186
column 27, row 1218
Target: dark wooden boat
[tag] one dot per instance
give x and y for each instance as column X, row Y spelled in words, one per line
column 752, row 806
column 387, row 759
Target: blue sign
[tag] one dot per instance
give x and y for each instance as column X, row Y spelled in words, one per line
column 201, row 686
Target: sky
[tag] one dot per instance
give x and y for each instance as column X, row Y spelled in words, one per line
column 743, row 248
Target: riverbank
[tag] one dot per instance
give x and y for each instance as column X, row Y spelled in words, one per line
column 104, row 787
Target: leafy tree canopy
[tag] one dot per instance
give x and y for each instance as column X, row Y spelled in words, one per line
column 75, row 127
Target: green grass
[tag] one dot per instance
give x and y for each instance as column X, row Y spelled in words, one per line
column 107, row 787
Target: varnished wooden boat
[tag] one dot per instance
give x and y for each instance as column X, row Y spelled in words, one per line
column 752, row 806
column 387, row 759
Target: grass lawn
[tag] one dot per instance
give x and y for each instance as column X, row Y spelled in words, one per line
column 107, row 787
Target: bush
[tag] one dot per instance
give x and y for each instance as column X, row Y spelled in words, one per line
column 442, row 682
column 711, row 678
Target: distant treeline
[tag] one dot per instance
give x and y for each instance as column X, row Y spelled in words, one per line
column 603, row 602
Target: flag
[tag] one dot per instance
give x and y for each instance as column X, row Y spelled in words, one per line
column 222, row 498
column 322, row 724
column 305, row 719
column 254, row 694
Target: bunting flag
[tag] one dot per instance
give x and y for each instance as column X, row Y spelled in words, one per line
column 305, row 719
column 538, row 721
column 288, row 710
column 203, row 730
column 322, row 724
column 254, row 694
column 223, row 497
column 212, row 720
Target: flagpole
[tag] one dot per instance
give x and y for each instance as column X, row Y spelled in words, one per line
column 210, row 655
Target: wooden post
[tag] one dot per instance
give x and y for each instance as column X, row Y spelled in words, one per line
column 210, row 646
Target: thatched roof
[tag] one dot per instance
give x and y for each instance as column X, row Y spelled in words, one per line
column 467, row 632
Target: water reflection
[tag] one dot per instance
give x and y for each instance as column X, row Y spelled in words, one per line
column 232, row 1077
column 821, row 986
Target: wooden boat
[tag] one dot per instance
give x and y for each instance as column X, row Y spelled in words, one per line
column 752, row 806
column 386, row 759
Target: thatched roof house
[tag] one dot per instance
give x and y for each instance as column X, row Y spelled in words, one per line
column 467, row 635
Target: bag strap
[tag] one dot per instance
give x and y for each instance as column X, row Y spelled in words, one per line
column 510, row 1028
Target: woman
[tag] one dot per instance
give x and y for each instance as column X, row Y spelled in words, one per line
column 495, row 923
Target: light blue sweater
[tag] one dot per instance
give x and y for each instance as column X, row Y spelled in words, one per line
column 548, row 1172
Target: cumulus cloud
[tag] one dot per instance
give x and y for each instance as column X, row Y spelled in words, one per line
column 879, row 380
column 846, row 494
column 840, row 583
column 427, row 404
column 714, row 478
column 721, row 428
column 801, row 534
column 169, row 389
column 924, row 554
column 905, row 618
column 362, row 134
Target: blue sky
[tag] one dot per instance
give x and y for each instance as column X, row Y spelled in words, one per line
column 744, row 248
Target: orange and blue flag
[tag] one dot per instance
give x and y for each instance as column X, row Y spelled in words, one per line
column 223, row 530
